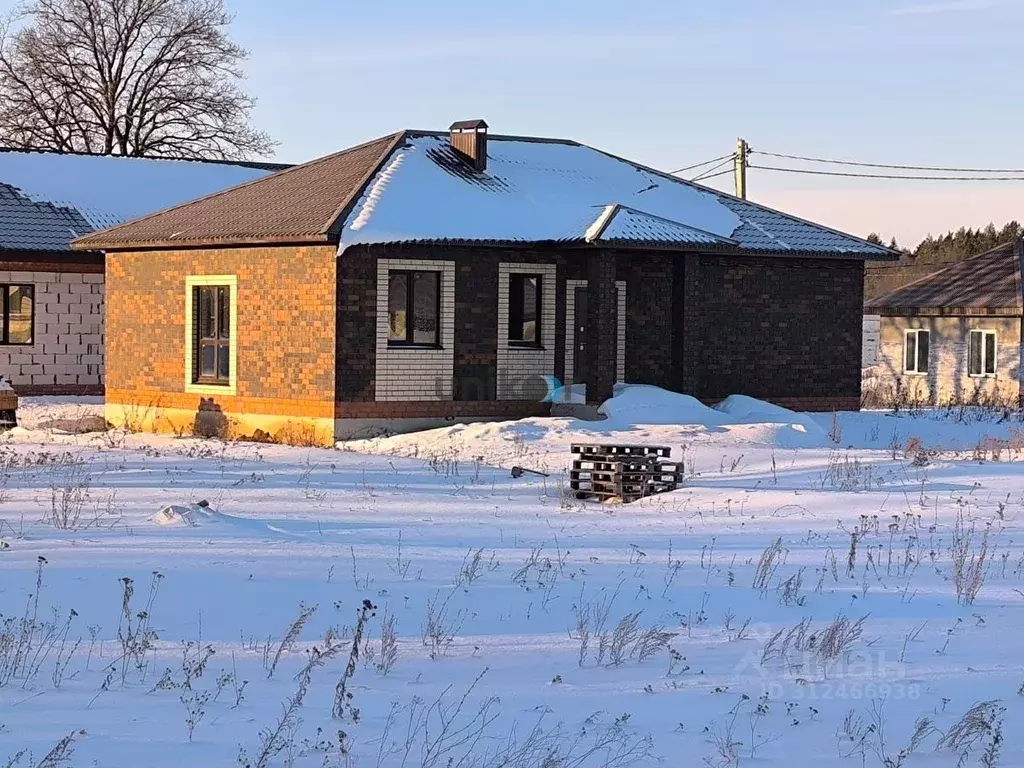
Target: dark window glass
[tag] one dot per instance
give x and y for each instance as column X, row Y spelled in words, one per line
column 414, row 308
column 398, row 303
column 213, row 334
column 911, row 353
column 990, row 353
column 922, row 351
column 17, row 306
column 524, row 304
column 974, row 354
column 206, row 367
column 224, row 312
column 426, row 301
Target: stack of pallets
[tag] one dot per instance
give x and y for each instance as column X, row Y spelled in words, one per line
column 626, row 472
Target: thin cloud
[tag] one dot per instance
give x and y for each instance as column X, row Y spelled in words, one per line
column 949, row 6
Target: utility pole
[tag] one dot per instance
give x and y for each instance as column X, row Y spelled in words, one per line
column 741, row 168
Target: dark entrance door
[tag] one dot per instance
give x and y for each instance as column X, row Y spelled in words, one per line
column 579, row 360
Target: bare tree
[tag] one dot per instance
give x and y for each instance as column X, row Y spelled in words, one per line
column 154, row 78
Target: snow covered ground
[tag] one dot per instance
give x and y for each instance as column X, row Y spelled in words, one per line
column 834, row 591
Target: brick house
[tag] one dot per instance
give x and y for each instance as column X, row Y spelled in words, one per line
column 425, row 277
column 953, row 336
column 51, row 298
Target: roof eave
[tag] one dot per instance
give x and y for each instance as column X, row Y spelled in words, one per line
column 85, row 244
column 889, row 311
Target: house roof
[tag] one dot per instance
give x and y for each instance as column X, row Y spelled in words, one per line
column 26, row 225
column 412, row 187
column 48, row 198
column 619, row 225
column 986, row 284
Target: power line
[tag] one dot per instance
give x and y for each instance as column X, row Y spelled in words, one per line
column 886, row 176
column 713, row 175
column 712, row 170
column 698, row 165
column 939, row 168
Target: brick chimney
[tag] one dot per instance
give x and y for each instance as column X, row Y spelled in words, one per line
column 469, row 140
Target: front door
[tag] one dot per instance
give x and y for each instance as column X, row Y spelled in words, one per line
column 579, row 361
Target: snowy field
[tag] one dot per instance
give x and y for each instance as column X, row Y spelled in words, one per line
column 827, row 591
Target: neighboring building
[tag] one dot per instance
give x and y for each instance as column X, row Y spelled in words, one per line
column 953, row 336
column 427, row 277
column 51, row 298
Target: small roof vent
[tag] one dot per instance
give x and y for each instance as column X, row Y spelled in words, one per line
column 469, row 140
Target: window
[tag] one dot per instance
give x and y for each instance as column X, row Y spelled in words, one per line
column 915, row 351
column 18, row 321
column 212, row 350
column 981, row 354
column 414, row 308
column 524, row 307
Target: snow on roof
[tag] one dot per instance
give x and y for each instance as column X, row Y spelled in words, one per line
column 531, row 191
column 546, row 190
column 104, row 190
column 618, row 224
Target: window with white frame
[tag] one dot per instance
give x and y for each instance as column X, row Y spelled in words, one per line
column 915, row 351
column 525, row 303
column 414, row 308
column 981, row 354
column 211, row 334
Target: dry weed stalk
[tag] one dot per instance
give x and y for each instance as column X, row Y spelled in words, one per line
column 292, row 634
column 343, row 703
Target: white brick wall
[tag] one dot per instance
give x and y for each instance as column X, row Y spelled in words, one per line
column 67, row 347
column 871, row 334
column 518, row 367
column 570, row 330
column 416, row 374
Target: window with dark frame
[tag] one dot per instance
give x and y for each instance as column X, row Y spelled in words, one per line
column 17, row 325
column 524, row 308
column 212, row 350
column 981, row 354
column 414, row 308
column 915, row 351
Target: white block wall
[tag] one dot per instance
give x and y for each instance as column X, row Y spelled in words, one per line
column 872, row 333
column 570, row 330
column 517, row 365
column 67, row 348
column 411, row 373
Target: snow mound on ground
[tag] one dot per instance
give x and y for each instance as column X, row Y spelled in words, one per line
column 61, row 413
column 190, row 516
column 643, row 404
column 174, row 514
column 802, row 428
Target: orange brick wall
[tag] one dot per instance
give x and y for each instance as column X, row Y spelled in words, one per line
column 285, row 329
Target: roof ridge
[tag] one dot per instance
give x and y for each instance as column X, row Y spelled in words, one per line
column 600, row 224
column 357, row 190
column 219, row 193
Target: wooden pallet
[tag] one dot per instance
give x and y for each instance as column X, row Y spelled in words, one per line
column 626, row 472
column 600, row 449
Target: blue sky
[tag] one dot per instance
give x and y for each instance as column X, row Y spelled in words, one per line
column 668, row 83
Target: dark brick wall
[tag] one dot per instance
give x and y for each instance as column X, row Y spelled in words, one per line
column 775, row 328
column 787, row 330
column 356, row 307
column 649, row 303
column 601, row 325
column 476, row 320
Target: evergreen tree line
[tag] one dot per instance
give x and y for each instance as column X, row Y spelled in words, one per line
column 955, row 246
